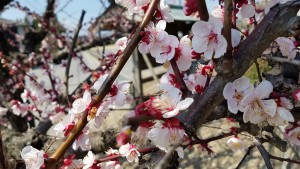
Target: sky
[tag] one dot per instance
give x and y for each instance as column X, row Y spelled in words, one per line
column 69, row 11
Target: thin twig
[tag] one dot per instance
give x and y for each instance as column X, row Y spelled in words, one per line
column 245, row 156
column 71, row 54
column 284, row 159
column 60, row 151
column 179, row 78
column 283, row 60
column 258, row 70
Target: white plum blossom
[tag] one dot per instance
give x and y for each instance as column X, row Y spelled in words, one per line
column 165, row 50
column 235, row 92
column 3, row 111
column 101, row 114
column 218, row 12
column 80, row 104
column 283, row 114
column 247, row 11
column 130, row 152
column 82, row 141
column 287, row 47
column 152, row 34
column 20, row 109
column 235, row 144
column 133, row 6
column 208, row 38
column 164, row 12
column 88, row 160
column 169, row 103
column 256, row 109
column 33, row 158
column 122, row 43
column 183, row 54
column 292, row 133
column 120, row 94
column 170, row 134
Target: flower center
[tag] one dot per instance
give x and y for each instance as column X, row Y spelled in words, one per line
column 257, row 106
column 212, row 38
column 238, row 96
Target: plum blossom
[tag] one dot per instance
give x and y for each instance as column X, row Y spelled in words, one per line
column 218, row 12
column 296, row 95
column 100, row 114
column 183, row 55
column 134, row 6
column 167, row 135
column 20, row 109
column 130, row 152
column 169, row 103
column 208, row 38
column 235, row 144
column 247, row 11
column 3, row 111
column 283, row 115
column 292, row 133
column 255, row 108
column 120, row 94
column 165, row 50
column 164, row 12
column 140, row 136
column 82, row 141
column 287, row 47
column 235, row 92
column 122, row 43
column 71, row 163
column 88, row 160
column 80, row 104
column 152, row 35
column 33, row 158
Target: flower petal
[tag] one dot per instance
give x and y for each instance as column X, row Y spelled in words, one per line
column 184, row 104
column 264, row 89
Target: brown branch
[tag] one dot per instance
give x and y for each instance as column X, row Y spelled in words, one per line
column 60, row 151
column 228, row 59
column 258, row 70
column 71, row 54
column 284, row 159
column 202, row 9
column 179, row 78
column 260, row 39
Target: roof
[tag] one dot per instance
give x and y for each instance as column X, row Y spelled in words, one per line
column 178, row 15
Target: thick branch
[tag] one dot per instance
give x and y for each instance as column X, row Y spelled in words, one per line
column 55, row 157
column 202, row 9
column 266, row 32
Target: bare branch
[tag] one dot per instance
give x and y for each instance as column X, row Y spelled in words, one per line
column 71, row 54
column 3, row 3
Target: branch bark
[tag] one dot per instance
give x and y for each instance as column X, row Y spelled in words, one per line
column 266, row 32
